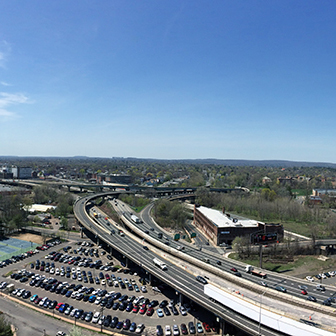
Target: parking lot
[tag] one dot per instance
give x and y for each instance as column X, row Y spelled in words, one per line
column 83, row 282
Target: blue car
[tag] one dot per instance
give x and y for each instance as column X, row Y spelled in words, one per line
column 92, row 298
column 68, row 293
column 159, row 312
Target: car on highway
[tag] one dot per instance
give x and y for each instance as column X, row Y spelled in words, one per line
column 201, row 279
column 319, row 287
column 281, row 289
column 311, row 298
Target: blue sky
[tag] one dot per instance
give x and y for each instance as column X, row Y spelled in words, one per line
column 169, row 79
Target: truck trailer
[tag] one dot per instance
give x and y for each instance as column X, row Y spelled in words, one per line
column 135, row 219
column 251, row 270
column 160, row 263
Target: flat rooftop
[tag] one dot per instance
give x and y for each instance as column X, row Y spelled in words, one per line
column 222, row 220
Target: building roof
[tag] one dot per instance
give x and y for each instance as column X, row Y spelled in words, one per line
column 40, row 208
column 222, row 220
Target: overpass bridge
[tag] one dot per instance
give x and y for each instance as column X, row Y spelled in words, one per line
column 159, row 191
column 223, row 312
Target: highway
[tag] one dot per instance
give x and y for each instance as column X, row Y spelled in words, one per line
column 175, row 276
column 291, row 284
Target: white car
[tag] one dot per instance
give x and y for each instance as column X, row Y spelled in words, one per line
column 139, row 328
column 176, row 330
column 309, row 278
column 183, row 311
column 138, row 299
column 101, row 319
column 143, row 289
column 167, row 330
column 73, row 312
column 95, row 317
column 98, row 300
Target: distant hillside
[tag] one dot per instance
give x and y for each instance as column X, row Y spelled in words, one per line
column 224, row 162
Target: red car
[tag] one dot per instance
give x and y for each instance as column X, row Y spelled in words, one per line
column 135, row 309
column 143, row 309
column 184, row 329
column 107, row 276
column 234, row 269
column 59, row 305
column 37, row 300
column 304, row 292
column 150, row 311
column 206, row 327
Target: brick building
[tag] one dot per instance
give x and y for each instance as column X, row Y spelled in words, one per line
column 220, row 227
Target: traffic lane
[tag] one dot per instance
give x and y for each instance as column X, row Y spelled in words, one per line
column 242, row 324
column 292, row 287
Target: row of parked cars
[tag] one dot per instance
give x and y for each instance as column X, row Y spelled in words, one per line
column 110, row 300
column 321, row 276
column 67, row 309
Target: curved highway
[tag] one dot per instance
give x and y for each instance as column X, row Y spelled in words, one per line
column 175, row 276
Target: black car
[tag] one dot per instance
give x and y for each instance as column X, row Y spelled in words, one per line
column 192, row 329
column 327, row 302
column 107, row 320
column 114, row 322
column 163, row 303
column 115, row 305
column 311, row 298
column 53, row 304
column 159, row 331
column 109, row 303
column 26, row 294
column 79, row 313
column 166, row 311
column 201, row 279
column 153, row 303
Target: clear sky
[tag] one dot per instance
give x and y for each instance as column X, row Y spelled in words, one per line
column 169, row 79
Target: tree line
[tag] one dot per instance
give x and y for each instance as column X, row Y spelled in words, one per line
column 267, row 206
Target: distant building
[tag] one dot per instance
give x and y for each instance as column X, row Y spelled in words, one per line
column 266, row 180
column 285, row 180
column 315, row 200
column 114, row 178
column 322, row 192
column 22, row 172
column 220, row 227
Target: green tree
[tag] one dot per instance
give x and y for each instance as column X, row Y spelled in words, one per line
column 64, row 223
column 5, row 327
